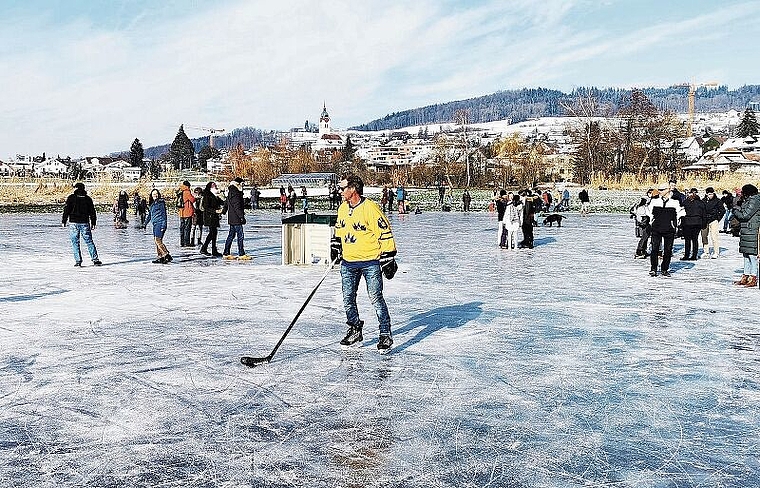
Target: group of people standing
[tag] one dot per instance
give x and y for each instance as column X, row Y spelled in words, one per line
column 196, row 209
column 389, row 194
column 516, row 211
column 666, row 213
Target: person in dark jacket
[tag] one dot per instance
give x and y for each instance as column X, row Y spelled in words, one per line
column 236, row 219
column 748, row 214
column 530, row 205
column 212, row 208
column 157, row 215
column 466, row 199
column 122, row 205
column 585, row 201
column 80, row 212
column 501, row 207
column 675, row 193
column 693, row 220
column 714, row 212
column 664, row 214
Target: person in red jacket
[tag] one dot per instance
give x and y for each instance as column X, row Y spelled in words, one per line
column 185, row 214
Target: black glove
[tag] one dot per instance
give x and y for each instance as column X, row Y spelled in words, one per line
column 242, row 221
column 336, row 250
column 388, row 264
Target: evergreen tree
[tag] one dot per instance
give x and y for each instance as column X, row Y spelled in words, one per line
column 206, row 153
column 181, row 151
column 136, row 155
column 349, row 150
column 748, row 126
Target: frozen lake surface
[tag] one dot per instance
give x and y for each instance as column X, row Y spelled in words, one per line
column 561, row 366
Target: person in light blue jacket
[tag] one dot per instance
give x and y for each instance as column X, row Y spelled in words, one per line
column 157, row 215
column 401, row 198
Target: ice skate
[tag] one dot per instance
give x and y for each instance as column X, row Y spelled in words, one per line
column 353, row 335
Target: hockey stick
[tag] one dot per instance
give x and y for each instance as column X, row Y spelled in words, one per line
column 252, row 361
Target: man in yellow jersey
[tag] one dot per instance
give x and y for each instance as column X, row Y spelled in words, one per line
column 364, row 241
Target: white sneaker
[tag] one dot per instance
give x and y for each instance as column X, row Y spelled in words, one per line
column 714, row 256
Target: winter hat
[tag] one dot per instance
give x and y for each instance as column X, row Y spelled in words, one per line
column 502, row 193
column 238, row 180
column 186, row 183
column 693, row 190
column 749, row 190
column 709, row 189
column 79, row 186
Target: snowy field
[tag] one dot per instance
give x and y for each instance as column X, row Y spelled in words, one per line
column 562, row 366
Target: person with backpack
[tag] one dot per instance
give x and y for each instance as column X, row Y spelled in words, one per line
column 236, row 219
column 185, row 206
column 157, row 215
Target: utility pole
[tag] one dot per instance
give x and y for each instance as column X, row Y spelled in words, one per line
column 460, row 117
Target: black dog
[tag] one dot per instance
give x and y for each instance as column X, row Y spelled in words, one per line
column 554, row 218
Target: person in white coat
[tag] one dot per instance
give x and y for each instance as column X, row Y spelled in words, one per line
column 512, row 221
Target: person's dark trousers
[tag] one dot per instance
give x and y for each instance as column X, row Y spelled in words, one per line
column 527, row 230
column 666, row 240
column 235, row 230
column 641, row 249
column 185, row 225
column 690, row 238
column 210, row 238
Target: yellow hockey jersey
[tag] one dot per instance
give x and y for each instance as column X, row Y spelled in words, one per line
column 364, row 231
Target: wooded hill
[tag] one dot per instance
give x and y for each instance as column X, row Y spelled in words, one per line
column 520, row 105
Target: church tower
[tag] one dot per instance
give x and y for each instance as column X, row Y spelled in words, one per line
column 324, row 121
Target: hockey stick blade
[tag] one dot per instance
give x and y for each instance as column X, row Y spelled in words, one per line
column 252, row 362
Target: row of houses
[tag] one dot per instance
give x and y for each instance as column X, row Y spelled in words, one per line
column 88, row 167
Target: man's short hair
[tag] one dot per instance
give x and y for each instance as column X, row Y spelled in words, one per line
column 355, row 182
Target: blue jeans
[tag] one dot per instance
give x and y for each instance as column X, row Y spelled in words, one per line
column 235, row 230
column 373, row 276
column 727, row 218
column 750, row 264
column 185, row 224
column 75, row 230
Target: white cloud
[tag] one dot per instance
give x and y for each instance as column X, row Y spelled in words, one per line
column 81, row 87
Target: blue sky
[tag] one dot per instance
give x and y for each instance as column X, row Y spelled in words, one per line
column 84, row 78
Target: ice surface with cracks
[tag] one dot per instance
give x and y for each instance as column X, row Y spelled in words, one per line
column 561, row 366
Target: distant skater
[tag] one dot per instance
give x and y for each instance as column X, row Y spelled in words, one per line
column 80, row 212
column 585, row 202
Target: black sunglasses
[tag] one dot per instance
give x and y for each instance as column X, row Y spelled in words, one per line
column 343, row 188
